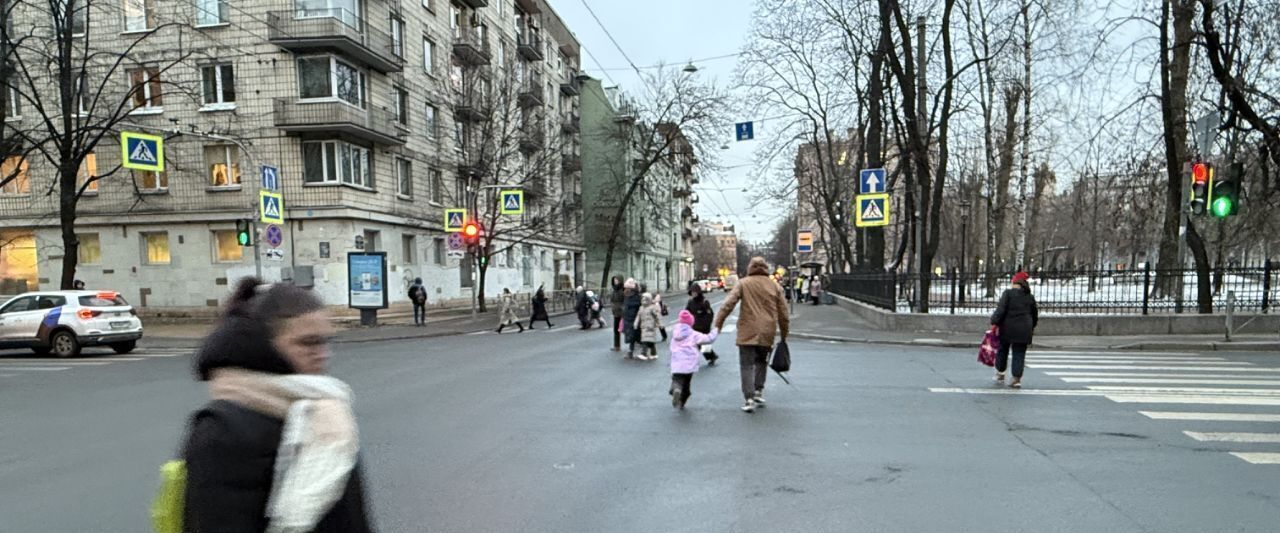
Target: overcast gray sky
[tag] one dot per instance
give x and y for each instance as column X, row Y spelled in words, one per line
column 674, row 32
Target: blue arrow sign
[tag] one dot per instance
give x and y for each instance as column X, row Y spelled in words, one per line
column 871, row 181
column 270, row 178
column 746, row 131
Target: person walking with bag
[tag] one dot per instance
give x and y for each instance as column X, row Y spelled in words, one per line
column 508, row 314
column 539, row 303
column 277, row 448
column 1015, row 320
column 685, row 343
column 764, row 313
column 418, row 296
column 703, row 316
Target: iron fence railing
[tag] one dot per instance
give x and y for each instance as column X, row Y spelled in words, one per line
column 1083, row 291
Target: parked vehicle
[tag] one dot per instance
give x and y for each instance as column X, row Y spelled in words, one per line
column 63, row 322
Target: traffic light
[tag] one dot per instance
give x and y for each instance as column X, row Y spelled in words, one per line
column 244, row 232
column 471, row 232
column 1201, row 185
column 1225, row 194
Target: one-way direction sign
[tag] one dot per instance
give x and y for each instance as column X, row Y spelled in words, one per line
column 871, row 181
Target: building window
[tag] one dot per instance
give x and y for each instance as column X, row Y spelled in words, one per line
column 219, row 84
column 90, row 250
column 80, row 19
column 347, row 11
column 226, row 246
column 211, row 12
column 144, row 84
column 139, row 15
column 428, row 55
column 437, row 186
column 156, row 248
column 455, row 20
column 337, row 162
column 88, row 171
column 152, row 182
column 402, row 106
column 433, row 125
column 13, row 173
column 440, row 254
column 223, row 162
column 329, row 77
column 397, row 37
column 408, row 248
column 13, row 103
column 404, row 177
column 427, row 4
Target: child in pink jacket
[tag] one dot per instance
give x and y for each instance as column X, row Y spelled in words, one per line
column 685, row 356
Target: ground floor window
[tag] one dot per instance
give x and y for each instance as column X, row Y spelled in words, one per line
column 155, row 248
column 90, row 251
column 226, row 247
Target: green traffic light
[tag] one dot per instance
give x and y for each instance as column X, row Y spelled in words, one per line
column 1221, row 207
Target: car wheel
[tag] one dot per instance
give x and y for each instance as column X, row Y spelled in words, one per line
column 124, row 347
column 65, row 344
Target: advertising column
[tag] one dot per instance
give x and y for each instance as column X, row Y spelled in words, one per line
column 367, row 284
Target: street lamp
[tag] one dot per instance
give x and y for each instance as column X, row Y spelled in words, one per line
column 964, row 241
column 690, row 68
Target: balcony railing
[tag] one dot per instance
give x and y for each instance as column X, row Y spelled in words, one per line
column 307, row 30
column 472, row 47
column 571, row 163
column 475, row 4
column 532, row 139
column 531, row 92
column 571, row 86
column 324, row 119
column 571, row 123
column 529, row 45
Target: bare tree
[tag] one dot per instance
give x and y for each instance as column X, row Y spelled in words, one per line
column 69, row 83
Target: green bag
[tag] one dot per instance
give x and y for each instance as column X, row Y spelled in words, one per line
column 167, row 508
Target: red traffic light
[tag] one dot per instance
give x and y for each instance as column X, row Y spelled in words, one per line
column 471, row 230
column 1200, row 172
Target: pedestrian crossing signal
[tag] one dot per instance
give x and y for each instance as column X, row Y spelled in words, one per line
column 471, row 232
column 244, row 232
column 140, row 151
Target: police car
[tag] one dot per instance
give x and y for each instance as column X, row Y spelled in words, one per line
column 63, row 322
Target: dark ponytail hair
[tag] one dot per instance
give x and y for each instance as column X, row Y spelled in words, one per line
column 243, row 337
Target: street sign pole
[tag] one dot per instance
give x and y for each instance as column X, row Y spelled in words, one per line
column 257, row 257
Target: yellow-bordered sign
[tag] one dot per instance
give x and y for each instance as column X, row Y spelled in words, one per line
column 871, row 210
column 271, row 207
column 141, row 151
column 454, row 220
column 511, row 202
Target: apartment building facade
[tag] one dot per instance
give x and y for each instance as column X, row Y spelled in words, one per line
column 654, row 244
column 379, row 114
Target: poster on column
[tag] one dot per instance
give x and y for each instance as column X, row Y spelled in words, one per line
column 367, row 280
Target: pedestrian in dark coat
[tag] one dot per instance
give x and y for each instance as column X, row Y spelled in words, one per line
column 630, row 310
column 703, row 315
column 418, row 296
column 1015, row 320
column 616, row 298
column 268, row 352
column 582, row 306
column 539, row 304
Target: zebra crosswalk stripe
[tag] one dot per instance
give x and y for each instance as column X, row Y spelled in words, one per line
column 1197, row 381
column 1253, row 438
column 1259, row 458
column 1161, row 367
column 1211, row 417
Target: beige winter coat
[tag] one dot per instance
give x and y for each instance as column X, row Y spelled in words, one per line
column 764, row 309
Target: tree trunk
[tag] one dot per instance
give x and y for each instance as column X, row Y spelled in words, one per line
column 1004, row 174
column 875, row 134
column 67, row 203
column 1020, row 259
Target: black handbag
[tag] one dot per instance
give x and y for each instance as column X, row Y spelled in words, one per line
column 781, row 358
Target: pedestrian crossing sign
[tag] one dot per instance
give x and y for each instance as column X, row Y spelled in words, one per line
column 454, row 220
column 271, row 206
column 512, row 202
column 141, row 151
column 872, row 210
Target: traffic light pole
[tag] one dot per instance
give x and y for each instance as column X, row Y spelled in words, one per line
column 257, row 258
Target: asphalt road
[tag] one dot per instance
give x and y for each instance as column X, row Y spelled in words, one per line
column 550, row 431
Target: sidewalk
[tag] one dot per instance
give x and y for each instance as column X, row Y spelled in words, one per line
column 833, row 323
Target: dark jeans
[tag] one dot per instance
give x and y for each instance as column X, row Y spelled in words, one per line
column 754, row 361
column 650, row 348
column 1019, row 357
column 419, row 313
column 682, row 383
column 617, row 334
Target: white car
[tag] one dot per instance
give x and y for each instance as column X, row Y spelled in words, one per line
column 63, row 322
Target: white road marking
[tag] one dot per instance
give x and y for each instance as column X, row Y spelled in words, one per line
column 728, row 328
column 478, row 333
column 1135, row 367
column 1061, row 375
column 1272, row 382
column 1140, row 357
column 1034, row 392
column 1253, row 438
column 1091, row 353
column 46, row 362
column 1211, row 417
column 70, row 361
column 161, row 354
column 1194, row 399
column 35, row 368
column 1259, row 458
column 1139, row 362
column 1181, row 390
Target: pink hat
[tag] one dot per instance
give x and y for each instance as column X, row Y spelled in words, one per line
column 686, row 317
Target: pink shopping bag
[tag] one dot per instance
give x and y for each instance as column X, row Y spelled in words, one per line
column 990, row 345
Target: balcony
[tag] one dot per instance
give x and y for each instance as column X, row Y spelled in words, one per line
column 571, row 123
column 532, row 139
column 535, row 188
column 328, row 118
column 680, row 192
column 531, row 92
column 337, row 30
column 571, row 85
column 472, row 47
column 571, row 163
column 529, row 46
column 474, row 4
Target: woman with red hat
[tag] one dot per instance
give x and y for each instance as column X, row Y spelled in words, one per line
column 1015, row 320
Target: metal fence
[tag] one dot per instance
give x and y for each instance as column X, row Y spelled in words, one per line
column 1148, row 291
